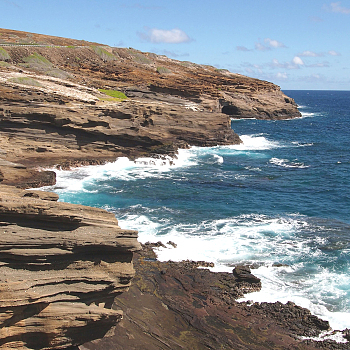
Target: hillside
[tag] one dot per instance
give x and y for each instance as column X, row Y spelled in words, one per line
column 67, row 102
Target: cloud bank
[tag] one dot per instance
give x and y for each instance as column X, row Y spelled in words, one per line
column 172, row 36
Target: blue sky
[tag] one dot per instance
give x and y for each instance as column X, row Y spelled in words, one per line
column 295, row 44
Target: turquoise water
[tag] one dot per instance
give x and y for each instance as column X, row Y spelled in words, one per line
column 279, row 202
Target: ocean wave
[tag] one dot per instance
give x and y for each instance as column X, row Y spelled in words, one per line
column 285, row 252
column 285, row 163
column 83, row 179
column 302, row 144
column 255, row 142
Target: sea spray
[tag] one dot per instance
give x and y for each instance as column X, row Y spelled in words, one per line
column 278, row 202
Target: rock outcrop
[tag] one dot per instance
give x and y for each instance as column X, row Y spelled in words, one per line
column 62, row 265
column 66, row 102
column 178, row 306
column 72, row 102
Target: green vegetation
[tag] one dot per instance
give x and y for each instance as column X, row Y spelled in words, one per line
column 114, row 94
column 58, row 73
column 25, row 81
column 37, row 59
column 104, row 54
column 4, row 56
column 4, row 64
column 187, row 64
column 163, row 70
column 138, row 57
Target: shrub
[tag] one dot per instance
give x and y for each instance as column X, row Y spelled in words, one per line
column 36, row 59
column 25, row 81
column 116, row 95
column 138, row 57
column 58, row 73
column 4, row 56
column 104, row 54
column 163, row 70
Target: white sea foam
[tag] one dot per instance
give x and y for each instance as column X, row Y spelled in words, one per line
column 305, row 291
column 77, row 180
column 255, row 142
column 270, row 244
column 307, row 114
column 329, row 335
column 302, row 144
column 285, row 163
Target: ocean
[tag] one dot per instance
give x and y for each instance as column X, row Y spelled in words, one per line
column 278, row 202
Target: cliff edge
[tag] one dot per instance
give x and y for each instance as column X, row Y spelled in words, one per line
column 62, row 265
column 67, row 102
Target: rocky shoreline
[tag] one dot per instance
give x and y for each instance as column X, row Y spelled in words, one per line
column 180, row 306
column 66, row 269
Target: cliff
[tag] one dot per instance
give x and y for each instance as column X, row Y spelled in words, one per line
column 62, row 265
column 66, row 102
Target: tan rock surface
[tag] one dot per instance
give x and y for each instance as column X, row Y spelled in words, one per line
column 52, row 111
column 62, row 265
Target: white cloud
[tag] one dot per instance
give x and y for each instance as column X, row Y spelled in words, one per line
column 333, row 53
column 310, row 54
column 318, row 65
column 173, row 36
column 268, row 45
column 294, row 64
column 281, row 76
column 336, row 7
column 242, row 48
column 261, row 47
column 273, row 43
column 298, row 61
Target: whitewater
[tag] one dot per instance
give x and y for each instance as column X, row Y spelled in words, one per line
column 277, row 202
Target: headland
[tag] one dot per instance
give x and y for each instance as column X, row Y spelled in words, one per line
column 67, row 269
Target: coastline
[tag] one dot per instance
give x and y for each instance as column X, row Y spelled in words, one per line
column 54, row 111
column 170, row 248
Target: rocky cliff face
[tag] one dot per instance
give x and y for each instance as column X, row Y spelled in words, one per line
column 62, row 265
column 65, row 102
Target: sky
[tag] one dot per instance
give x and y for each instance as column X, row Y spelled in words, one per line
column 296, row 44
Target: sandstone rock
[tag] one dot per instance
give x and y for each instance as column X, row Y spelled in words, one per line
column 61, row 267
column 67, row 121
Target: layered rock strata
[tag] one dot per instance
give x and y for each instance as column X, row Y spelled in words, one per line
column 55, row 107
column 62, row 265
column 63, row 103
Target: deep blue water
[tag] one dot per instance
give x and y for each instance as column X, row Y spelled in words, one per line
column 281, row 198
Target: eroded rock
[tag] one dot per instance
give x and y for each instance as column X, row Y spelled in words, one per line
column 62, row 265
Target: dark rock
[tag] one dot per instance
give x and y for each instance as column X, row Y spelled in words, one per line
column 243, row 274
column 178, row 306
